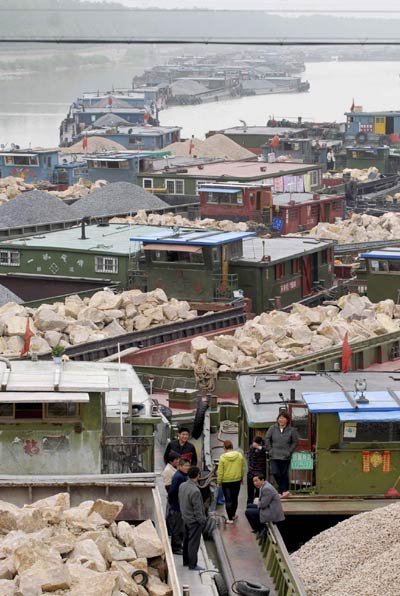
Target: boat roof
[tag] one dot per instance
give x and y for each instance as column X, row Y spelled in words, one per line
column 392, row 252
column 279, row 249
column 43, row 380
column 240, row 170
column 110, row 239
column 192, row 237
column 383, row 393
column 263, row 130
column 296, row 198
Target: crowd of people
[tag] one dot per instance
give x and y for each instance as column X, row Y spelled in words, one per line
column 185, row 512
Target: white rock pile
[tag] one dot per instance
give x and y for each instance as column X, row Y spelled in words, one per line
column 78, row 320
column 81, row 189
column 357, row 557
column 11, row 187
column 52, row 548
column 278, row 336
column 171, row 219
column 360, row 228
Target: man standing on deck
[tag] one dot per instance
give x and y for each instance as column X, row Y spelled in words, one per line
column 194, row 517
column 182, row 447
column 174, row 519
column 170, row 469
column 268, row 508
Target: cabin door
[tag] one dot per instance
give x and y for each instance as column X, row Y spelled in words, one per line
column 301, row 420
column 389, row 125
column 306, row 277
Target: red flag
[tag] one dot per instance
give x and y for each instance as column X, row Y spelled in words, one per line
column 109, row 100
column 84, row 142
column 274, row 142
column 146, row 117
column 352, row 106
column 28, row 335
column 346, row 354
column 191, row 146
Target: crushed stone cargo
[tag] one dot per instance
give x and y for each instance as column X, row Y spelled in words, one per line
column 357, row 557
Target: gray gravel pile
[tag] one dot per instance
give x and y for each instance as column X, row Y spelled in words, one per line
column 34, row 207
column 357, row 557
column 7, row 295
column 116, row 199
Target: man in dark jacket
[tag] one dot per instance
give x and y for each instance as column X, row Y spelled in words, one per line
column 268, row 508
column 182, row 447
column 257, row 460
column 194, row 517
column 174, row 519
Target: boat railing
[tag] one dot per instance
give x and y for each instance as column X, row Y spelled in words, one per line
column 279, row 565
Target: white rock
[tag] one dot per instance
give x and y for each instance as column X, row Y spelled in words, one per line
column 46, row 319
column 147, row 542
column 79, row 334
column 220, row 355
column 113, row 329
column 92, row 314
column 105, row 300
column 87, row 554
column 108, row 510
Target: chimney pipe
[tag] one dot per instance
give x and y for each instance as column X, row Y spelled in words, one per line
column 83, row 223
column 293, row 395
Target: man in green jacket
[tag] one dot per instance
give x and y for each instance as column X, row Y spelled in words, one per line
column 229, row 477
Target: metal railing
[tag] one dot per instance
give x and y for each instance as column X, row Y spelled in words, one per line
column 278, row 564
column 124, row 455
column 224, row 285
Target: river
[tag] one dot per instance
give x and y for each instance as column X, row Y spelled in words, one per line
column 32, row 108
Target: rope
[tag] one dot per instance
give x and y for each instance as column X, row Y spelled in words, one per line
column 206, row 377
column 229, row 427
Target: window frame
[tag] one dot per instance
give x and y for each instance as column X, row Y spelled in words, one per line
column 100, row 264
column 175, row 182
column 144, row 180
column 10, row 254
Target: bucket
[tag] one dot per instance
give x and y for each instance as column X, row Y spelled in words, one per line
column 394, row 138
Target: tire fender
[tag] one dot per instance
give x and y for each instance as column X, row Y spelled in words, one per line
column 247, row 588
column 198, row 421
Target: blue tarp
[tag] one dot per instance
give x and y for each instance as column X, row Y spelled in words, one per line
column 229, row 191
column 378, row 401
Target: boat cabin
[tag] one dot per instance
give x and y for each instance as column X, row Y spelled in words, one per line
column 348, row 425
column 380, row 272
column 237, row 202
column 30, row 164
column 190, row 264
column 73, row 418
column 300, row 211
column 381, row 128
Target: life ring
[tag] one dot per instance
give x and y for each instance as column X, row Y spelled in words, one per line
column 361, row 138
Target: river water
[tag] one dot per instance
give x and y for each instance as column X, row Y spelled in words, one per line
column 32, row 108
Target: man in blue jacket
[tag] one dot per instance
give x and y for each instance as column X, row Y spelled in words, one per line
column 174, row 519
column 194, row 517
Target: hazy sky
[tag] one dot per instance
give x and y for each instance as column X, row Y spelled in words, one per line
column 295, row 5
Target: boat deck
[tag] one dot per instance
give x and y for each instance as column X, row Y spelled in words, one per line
column 295, row 505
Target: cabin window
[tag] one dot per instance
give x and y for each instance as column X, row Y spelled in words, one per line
column 216, row 256
column 173, row 256
column 175, row 187
column 148, row 183
column 279, row 270
column 10, row 258
column 62, row 410
column 300, row 421
column 236, row 249
column 106, row 265
column 134, row 140
column 6, row 410
column 199, row 184
column 295, row 266
column 373, row 432
column 314, row 177
column 394, row 265
column 21, row 160
column 28, row 411
column 212, row 198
